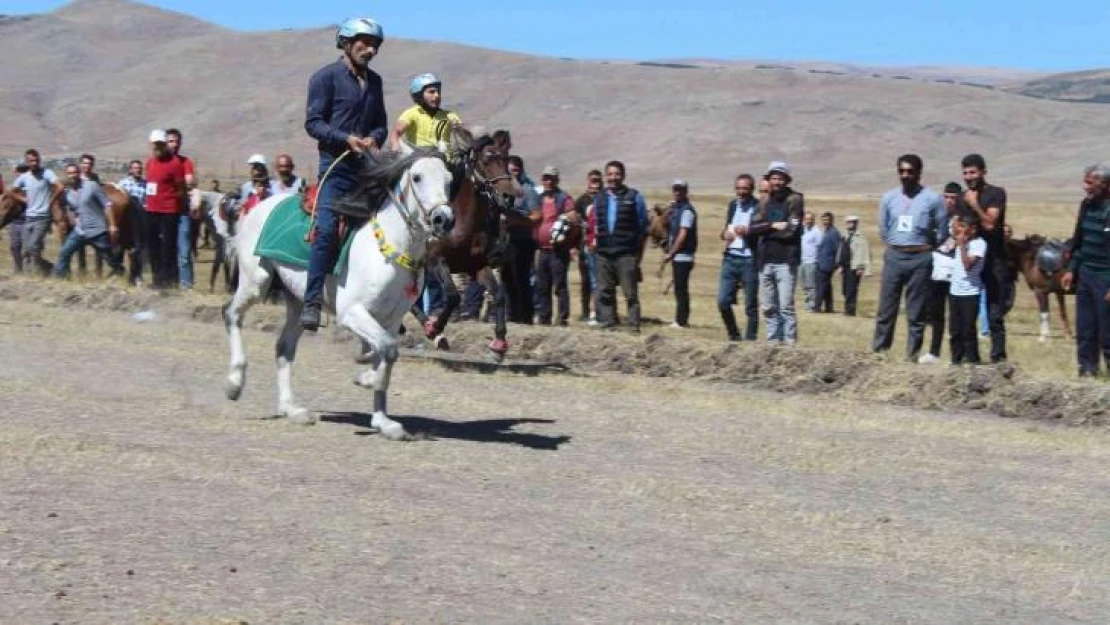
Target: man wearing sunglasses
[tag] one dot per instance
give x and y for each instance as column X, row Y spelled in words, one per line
column 909, row 218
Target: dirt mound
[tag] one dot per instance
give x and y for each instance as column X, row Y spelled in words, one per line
column 1001, row 389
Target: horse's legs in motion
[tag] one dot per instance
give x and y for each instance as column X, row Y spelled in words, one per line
column 1042, row 306
column 286, row 351
column 492, row 278
column 250, row 289
column 383, row 346
column 1063, row 304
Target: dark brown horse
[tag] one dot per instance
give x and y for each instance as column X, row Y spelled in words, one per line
column 485, row 191
column 1042, row 274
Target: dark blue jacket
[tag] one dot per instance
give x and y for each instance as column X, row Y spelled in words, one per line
column 690, row 245
column 827, row 248
column 630, row 222
column 338, row 106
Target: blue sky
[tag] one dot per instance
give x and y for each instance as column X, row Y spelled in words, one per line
column 1021, row 34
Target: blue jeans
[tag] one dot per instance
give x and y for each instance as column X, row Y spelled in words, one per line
column 76, row 242
column 325, row 248
column 737, row 272
column 776, row 294
column 1092, row 321
column 984, row 322
column 433, row 298
column 184, row 252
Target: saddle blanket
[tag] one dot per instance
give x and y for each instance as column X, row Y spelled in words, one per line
column 283, row 236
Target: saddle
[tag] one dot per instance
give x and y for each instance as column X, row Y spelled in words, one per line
column 1053, row 256
column 308, row 205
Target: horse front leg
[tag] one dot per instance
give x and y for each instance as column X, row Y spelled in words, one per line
column 383, row 353
column 1062, row 301
column 1042, row 307
column 285, row 352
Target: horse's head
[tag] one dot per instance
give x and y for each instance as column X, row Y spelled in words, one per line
column 424, row 190
column 486, row 166
column 12, row 206
column 659, row 224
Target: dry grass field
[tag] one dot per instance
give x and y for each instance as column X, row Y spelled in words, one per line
column 133, row 492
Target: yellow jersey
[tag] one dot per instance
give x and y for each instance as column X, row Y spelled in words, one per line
column 421, row 128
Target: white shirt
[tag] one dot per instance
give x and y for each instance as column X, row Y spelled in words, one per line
column 740, row 217
column 810, row 240
column 967, row 282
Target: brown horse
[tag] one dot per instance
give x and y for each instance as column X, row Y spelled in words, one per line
column 485, row 189
column 1024, row 255
column 13, row 204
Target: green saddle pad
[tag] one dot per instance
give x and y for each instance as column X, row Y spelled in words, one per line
column 282, row 238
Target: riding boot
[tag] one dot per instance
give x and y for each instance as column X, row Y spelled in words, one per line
column 310, row 316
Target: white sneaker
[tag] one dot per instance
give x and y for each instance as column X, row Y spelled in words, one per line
column 593, row 322
column 928, row 359
column 674, row 326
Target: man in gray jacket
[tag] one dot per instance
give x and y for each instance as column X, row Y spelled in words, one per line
column 92, row 221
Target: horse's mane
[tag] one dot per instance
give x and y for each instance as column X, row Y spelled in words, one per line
column 380, row 172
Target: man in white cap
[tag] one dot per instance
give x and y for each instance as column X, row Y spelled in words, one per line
column 165, row 195
column 778, row 225
column 257, row 165
column 682, row 244
column 854, row 260
column 553, row 259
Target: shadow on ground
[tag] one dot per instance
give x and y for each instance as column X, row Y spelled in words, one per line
column 484, row 431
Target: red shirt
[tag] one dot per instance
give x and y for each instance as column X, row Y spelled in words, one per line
column 188, row 164
column 165, row 185
column 550, row 213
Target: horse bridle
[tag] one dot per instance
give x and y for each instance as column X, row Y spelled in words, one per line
column 483, row 184
column 398, row 199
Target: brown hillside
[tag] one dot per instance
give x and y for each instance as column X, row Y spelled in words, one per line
column 98, row 74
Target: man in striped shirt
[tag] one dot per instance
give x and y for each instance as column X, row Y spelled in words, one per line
column 1090, row 265
column 135, row 186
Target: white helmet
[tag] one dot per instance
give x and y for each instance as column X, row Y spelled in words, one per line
column 421, row 82
column 355, row 26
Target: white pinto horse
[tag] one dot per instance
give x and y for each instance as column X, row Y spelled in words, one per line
column 383, row 278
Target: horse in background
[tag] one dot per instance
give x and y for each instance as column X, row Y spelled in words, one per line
column 482, row 191
column 13, row 205
column 1042, row 262
column 220, row 213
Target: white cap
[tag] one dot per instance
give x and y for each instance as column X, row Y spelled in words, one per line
column 780, row 167
column 679, row 182
column 852, row 218
column 256, row 159
column 157, row 136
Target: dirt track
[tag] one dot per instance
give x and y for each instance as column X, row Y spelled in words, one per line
column 131, row 491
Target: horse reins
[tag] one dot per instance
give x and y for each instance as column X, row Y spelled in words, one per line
column 320, row 187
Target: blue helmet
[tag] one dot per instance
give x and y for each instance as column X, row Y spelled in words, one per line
column 421, row 82
column 355, row 26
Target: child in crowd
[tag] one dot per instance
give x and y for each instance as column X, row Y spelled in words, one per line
column 965, row 288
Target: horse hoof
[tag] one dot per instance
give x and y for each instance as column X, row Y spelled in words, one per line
column 442, row 344
column 388, row 428
column 430, row 327
column 300, row 416
column 233, row 391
